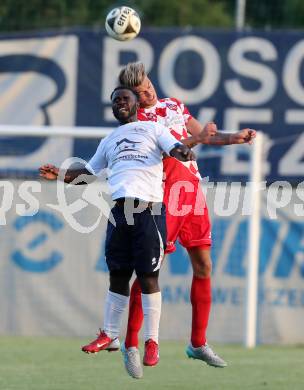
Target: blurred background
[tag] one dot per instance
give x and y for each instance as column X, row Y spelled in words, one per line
column 39, row 14
column 239, row 63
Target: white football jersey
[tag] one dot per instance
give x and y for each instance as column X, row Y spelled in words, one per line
column 174, row 115
column 133, row 156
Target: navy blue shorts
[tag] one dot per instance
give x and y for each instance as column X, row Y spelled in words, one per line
column 139, row 246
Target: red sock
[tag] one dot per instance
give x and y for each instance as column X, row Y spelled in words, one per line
column 136, row 316
column 201, row 304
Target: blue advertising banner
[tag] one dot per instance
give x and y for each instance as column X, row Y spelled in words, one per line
column 238, row 80
column 54, row 277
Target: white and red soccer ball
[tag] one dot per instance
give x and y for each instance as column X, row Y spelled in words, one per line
column 123, row 23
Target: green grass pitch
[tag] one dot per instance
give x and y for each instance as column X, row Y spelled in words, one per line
column 58, row 364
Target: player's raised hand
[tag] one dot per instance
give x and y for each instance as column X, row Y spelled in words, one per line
column 49, row 171
column 182, row 153
column 244, row 136
column 209, row 130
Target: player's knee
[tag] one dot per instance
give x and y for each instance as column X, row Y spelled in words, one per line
column 202, row 271
column 201, row 262
column 119, row 282
column 202, row 267
column 149, row 283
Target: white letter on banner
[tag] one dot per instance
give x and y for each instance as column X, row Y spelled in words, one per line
column 291, row 164
column 299, row 207
column 212, row 66
column 227, row 199
column 174, row 204
column 111, row 64
column 292, row 73
column 230, row 164
column 33, row 203
column 7, row 199
column 263, row 74
column 205, row 115
column 278, row 195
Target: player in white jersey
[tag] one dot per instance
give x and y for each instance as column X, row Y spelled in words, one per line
column 133, row 155
column 182, row 189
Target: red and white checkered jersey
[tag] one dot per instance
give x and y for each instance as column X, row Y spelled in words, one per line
column 174, row 115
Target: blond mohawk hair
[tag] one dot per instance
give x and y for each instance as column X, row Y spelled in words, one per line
column 132, row 75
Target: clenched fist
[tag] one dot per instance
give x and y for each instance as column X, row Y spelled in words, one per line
column 245, row 136
column 49, row 171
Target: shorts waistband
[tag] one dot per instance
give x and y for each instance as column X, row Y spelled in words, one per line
column 120, row 202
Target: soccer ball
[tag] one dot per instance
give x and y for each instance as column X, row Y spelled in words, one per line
column 123, row 23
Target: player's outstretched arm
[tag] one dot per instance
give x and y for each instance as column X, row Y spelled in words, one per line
column 209, row 135
column 182, row 153
column 245, row 136
column 51, row 172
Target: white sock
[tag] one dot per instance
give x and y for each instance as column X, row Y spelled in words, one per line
column 114, row 308
column 151, row 304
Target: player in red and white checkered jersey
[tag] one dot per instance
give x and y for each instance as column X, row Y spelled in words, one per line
column 187, row 215
column 182, row 181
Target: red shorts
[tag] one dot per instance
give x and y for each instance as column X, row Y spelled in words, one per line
column 187, row 216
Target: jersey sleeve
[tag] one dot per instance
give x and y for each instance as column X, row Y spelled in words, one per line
column 99, row 161
column 165, row 139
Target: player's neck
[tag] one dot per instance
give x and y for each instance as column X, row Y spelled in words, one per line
column 128, row 120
